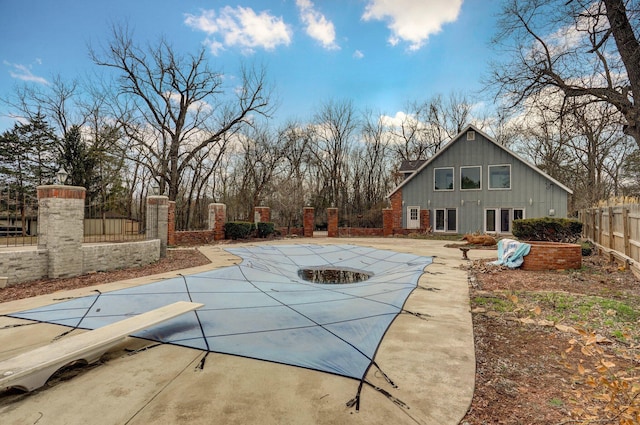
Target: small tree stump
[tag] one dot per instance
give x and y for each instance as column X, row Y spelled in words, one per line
column 464, row 252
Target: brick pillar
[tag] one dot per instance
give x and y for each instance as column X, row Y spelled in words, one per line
column 262, row 215
column 217, row 219
column 309, row 221
column 171, row 223
column 61, row 228
column 425, row 220
column 396, row 206
column 387, row 222
column 332, row 222
column 157, row 226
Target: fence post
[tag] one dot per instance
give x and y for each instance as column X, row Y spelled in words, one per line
column 61, row 228
column 171, row 223
column 625, row 230
column 217, row 219
column 157, row 226
column 262, row 214
column 309, row 221
column 612, row 238
column 332, row 222
column 387, row 221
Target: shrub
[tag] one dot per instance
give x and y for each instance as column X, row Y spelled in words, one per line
column 587, row 248
column 265, row 229
column 238, row 229
column 547, row 229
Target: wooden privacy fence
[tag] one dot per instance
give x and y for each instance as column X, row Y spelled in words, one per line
column 616, row 231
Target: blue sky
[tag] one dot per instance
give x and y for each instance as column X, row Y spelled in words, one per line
column 378, row 53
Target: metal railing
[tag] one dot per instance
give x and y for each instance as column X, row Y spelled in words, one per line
column 18, row 217
column 103, row 223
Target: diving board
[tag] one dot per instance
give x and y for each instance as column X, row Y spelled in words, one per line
column 31, row 370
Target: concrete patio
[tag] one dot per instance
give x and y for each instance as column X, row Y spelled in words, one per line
column 432, row 361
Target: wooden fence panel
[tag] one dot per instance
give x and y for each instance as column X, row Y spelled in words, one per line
column 615, row 230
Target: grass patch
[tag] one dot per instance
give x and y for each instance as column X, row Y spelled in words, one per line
column 616, row 318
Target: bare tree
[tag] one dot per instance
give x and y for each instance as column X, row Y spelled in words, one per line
column 333, row 131
column 588, row 50
column 176, row 106
column 261, row 154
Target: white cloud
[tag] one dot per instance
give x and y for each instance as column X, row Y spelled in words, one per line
column 358, row 54
column 412, row 21
column 240, row 27
column 23, row 72
column 317, row 26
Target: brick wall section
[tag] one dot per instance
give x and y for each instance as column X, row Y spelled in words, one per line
column 171, row 223
column 61, row 228
column 360, row 231
column 552, row 256
column 217, row 219
column 293, row 231
column 62, row 192
column 396, row 206
column 309, row 221
column 332, row 222
column 194, row 237
column 262, row 214
column 157, row 226
column 113, row 256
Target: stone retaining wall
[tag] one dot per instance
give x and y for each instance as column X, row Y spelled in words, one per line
column 113, row 256
column 24, row 265
column 552, row 256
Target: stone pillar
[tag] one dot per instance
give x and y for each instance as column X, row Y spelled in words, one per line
column 387, row 221
column 309, row 221
column 332, row 222
column 261, row 215
column 157, row 225
column 61, row 228
column 217, row 219
column 171, row 224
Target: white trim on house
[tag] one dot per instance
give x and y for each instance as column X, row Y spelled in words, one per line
column 413, row 220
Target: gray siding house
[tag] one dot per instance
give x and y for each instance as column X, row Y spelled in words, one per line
column 474, row 184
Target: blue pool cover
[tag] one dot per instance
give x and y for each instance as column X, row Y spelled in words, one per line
column 262, row 309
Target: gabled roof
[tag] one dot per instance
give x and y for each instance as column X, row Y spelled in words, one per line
column 490, row 139
column 407, row 166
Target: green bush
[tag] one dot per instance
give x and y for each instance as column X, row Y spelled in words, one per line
column 547, row 229
column 587, row 248
column 265, row 229
column 238, row 229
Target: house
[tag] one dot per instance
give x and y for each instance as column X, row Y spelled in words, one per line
column 474, row 184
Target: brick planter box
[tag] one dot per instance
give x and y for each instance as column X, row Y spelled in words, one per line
column 552, row 256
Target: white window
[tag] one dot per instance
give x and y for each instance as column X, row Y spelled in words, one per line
column 443, row 178
column 499, row 177
column 471, row 178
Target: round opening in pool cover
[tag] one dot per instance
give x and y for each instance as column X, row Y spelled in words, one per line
column 332, row 275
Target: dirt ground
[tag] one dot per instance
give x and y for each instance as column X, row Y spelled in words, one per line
column 551, row 347
column 556, row 347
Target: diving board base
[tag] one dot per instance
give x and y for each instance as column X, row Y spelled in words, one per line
column 31, row 370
